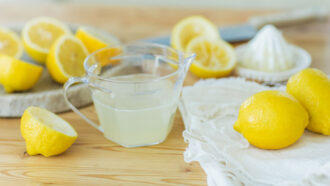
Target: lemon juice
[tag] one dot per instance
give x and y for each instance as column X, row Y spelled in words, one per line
column 136, row 114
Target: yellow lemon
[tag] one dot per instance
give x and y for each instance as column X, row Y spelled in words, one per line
column 271, row 120
column 214, row 58
column 66, row 58
column 312, row 88
column 187, row 29
column 95, row 39
column 39, row 34
column 10, row 43
column 16, row 75
column 105, row 56
column 46, row 133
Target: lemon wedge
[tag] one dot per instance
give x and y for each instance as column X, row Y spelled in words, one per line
column 95, row 39
column 66, row 58
column 187, row 29
column 39, row 34
column 46, row 133
column 10, row 43
column 104, row 57
column 16, row 75
column 214, row 58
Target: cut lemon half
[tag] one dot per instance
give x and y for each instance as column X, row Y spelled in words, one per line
column 39, row 34
column 214, row 58
column 95, row 39
column 46, row 133
column 16, row 75
column 10, row 43
column 66, row 58
column 189, row 28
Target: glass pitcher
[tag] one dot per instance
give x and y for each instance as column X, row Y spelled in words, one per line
column 135, row 90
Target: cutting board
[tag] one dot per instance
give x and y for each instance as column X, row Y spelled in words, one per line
column 46, row 93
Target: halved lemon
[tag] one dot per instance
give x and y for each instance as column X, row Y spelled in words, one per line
column 10, row 43
column 66, row 58
column 46, row 133
column 16, row 75
column 95, row 39
column 39, row 34
column 188, row 28
column 214, row 58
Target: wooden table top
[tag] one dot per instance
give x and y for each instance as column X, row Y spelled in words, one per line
column 92, row 158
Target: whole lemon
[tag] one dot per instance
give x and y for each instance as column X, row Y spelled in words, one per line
column 312, row 88
column 271, row 119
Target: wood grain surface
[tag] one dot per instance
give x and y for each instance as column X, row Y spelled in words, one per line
column 93, row 159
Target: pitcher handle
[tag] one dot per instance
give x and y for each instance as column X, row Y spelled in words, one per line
column 67, row 85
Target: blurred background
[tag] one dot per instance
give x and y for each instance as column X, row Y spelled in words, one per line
column 254, row 4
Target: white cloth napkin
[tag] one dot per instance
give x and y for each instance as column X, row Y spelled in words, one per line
column 209, row 110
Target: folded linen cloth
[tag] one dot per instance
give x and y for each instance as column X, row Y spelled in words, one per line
column 209, row 110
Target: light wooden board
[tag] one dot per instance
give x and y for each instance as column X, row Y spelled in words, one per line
column 95, row 160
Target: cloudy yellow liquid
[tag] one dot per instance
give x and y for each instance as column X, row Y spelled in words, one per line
column 136, row 115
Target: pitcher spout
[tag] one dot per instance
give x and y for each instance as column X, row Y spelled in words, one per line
column 189, row 58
